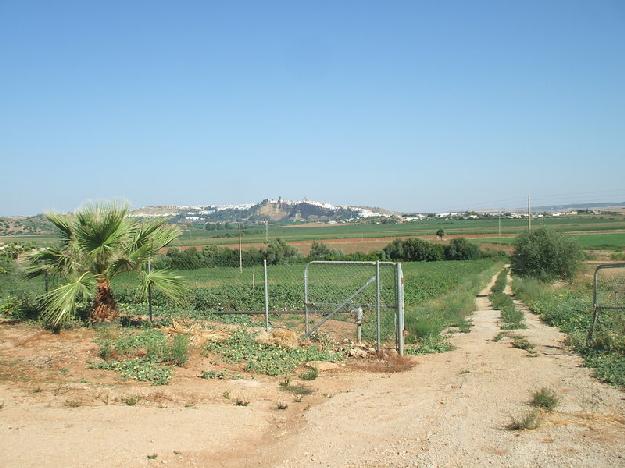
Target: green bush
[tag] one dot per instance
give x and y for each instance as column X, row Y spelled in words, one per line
column 461, row 249
column 546, row 255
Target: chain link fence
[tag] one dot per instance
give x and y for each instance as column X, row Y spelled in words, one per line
column 366, row 296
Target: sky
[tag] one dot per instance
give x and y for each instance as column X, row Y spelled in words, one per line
column 408, row 105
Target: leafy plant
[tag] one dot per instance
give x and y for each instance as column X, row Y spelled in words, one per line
column 266, row 358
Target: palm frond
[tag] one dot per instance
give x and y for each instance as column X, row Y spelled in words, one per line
column 60, row 303
column 164, row 281
column 149, row 238
column 102, row 231
column 64, row 223
column 50, row 260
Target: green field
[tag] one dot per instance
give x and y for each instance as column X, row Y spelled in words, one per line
column 598, row 241
column 294, row 233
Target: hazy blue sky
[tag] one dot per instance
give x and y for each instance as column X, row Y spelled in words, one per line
column 408, row 105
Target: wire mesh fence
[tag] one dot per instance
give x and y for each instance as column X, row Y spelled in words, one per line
column 363, row 294
column 608, row 302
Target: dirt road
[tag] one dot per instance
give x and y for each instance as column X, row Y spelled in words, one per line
column 451, row 409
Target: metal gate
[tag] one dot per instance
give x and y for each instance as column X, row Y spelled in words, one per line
column 372, row 292
column 608, row 294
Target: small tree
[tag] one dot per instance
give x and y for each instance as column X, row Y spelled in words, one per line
column 440, row 234
column 278, row 251
column 99, row 242
column 545, row 254
column 320, row 251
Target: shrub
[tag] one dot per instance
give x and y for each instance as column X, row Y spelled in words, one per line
column 528, row 422
column 461, row 249
column 545, row 398
column 546, row 255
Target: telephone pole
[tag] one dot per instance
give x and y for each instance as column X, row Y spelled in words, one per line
column 529, row 214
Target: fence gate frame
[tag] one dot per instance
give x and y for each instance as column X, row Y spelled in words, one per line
column 375, row 278
column 596, row 307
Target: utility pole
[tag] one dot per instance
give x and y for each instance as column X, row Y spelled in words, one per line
column 499, row 223
column 240, row 252
column 529, row 214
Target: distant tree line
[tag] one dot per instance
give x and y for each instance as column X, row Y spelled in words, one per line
column 278, row 251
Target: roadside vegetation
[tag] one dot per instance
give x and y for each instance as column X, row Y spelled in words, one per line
column 542, row 257
column 511, row 317
column 428, row 322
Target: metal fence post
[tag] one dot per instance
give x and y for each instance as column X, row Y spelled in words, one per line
column 266, row 296
column 150, row 290
column 377, row 307
column 306, row 326
column 399, row 278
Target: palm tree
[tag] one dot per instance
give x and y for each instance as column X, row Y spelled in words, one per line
column 98, row 242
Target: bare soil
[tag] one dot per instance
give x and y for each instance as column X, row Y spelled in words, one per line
column 449, row 409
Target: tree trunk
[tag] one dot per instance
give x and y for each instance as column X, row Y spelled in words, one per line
column 104, row 306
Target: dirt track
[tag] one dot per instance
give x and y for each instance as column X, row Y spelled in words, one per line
column 451, row 409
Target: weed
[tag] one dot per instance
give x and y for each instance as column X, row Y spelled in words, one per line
column 131, row 400
column 529, row 421
column 179, row 352
column 499, row 336
column 139, row 369
column 266, row 358
column 286, row 386
column 310, row 374
column 226, row 395
column 545, row 398
column 430, row 344
column 521, row 343
column 282, row 405
column 220, row 375
column 73, row 403
column 241, row 402
column 152, row 456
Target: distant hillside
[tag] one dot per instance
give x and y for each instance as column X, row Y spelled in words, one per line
column 579, row 206
column 25, row 225
column 271, row 210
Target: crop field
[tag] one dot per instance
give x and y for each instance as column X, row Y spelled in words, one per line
column 593, row 232
column 481, row 227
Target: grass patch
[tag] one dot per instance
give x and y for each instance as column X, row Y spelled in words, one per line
column 511, row 317
column 430, row 344
column 568, row 306
column 267, row 358
column 545, row 398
